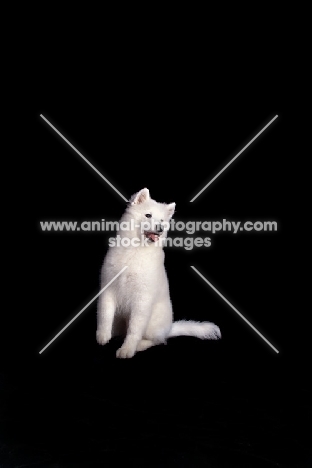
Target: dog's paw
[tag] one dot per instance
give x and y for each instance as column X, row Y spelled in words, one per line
column 126, row 351
column 103, row 337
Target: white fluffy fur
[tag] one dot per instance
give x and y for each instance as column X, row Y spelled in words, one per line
column 137, row 304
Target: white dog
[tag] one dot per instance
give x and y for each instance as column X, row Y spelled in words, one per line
column 137, row 303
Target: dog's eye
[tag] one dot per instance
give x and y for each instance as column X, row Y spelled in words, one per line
column 148, row 215
column 161, row 220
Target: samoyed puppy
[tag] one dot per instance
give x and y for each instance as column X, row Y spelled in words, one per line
column 137, row 305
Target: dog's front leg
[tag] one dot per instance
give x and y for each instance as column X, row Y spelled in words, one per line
column 139, row 317
column 105, row 317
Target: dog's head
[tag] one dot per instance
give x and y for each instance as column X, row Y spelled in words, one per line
column 150, row 217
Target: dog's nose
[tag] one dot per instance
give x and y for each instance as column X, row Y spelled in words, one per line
column 159, row 228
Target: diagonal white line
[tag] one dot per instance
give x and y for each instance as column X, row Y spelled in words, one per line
column 69, row 323
column 238, row 154
column 85, row 159
column 254, row 328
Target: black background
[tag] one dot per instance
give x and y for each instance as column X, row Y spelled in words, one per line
column 233, row 402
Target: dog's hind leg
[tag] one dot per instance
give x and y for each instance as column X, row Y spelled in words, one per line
column 145, row 344
column 160, row 323
column 105, row 317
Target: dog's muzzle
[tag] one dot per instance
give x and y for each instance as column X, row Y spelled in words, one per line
column 152, row 236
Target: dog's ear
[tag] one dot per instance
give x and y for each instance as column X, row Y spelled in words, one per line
column 140, row 197
column 170, row 209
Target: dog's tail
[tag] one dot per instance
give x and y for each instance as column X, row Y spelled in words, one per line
column 202, row 330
